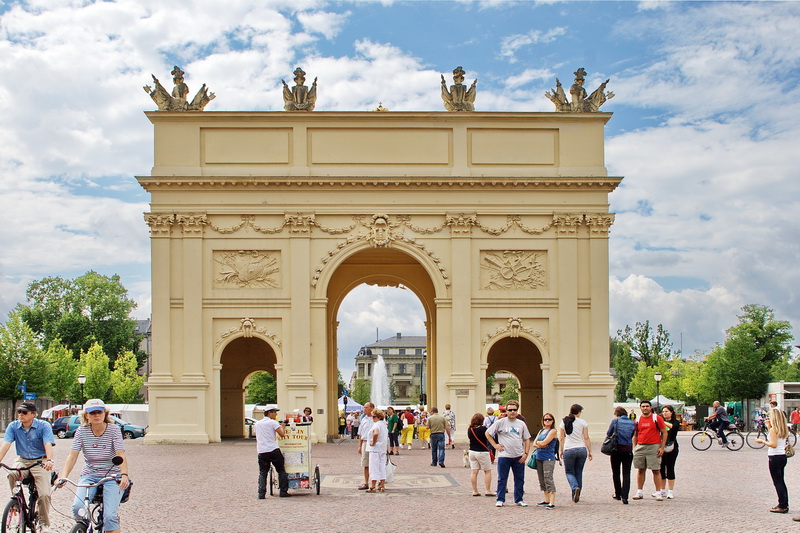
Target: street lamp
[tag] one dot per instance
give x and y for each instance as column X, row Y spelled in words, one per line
column 82, row 380
column 658, row 377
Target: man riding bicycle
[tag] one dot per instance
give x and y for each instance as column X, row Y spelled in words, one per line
column 34, row 442
column 719, row 421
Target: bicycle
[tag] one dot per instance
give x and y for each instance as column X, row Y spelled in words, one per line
column 703, row 439
column 761, row 432
column 91, row 520
column 20, row 514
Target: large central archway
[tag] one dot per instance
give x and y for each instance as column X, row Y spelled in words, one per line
column 240, row 358
column 522, row 358
column 388, row 267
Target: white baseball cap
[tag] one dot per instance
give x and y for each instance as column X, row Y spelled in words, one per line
column 95, row 404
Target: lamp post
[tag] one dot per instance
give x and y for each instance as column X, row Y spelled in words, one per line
column 82, row 380
column 658, row 377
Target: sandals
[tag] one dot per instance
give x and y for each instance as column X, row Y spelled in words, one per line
column 371, row 491
column 363, row 487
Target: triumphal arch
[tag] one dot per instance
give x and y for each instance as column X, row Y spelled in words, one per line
column 262, row 222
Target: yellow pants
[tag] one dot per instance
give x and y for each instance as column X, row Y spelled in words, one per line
column 424, row 433
column 407, row 436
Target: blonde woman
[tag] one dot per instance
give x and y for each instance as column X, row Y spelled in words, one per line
column 778, row 431
column 376, row 446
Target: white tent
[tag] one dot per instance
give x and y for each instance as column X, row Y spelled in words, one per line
column 663, row 400
column 352, row 405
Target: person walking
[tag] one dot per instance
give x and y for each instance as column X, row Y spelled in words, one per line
column 393, row 427
column 670, row 452
column 649, row 440
column 356, row 423
column 376, row 446
column 795, row 418
column 545, row 445
column 490, row 417
column 437, row 425
column 576, row 447
column 33, row 440
column 268, row 429
column 776, row 455
column 622, row 458
column 450, row 417
column 364, row 435
column 423, row 431
column 513, row 443
column 480, row 455
column 407, row 435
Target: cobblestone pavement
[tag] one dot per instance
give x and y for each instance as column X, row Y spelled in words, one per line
column 212, row 488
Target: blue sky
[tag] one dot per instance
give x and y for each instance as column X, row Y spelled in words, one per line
column 704, row 129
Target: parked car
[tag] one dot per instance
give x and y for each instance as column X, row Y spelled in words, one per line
column 248, row 423
column 66, row 426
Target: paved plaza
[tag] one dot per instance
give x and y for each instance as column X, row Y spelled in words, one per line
column 212, row 488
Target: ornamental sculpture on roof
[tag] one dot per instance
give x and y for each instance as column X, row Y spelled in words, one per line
column 299, row 97
column 459, row 98
column 580, row 102
column 177, row 100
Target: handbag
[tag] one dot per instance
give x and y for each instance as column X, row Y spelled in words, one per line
column 532, row 460
column 789, row 450
column 390, row 468
column 670, row 446
column 609, row 445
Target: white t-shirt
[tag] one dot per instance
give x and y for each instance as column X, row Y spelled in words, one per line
column 511, row 435
column 265, row 434
column 365, row 428
column 575, row 439
column 383, row 437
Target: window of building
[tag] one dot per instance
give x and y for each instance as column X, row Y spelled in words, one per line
column 402, row 391
column 385, row 351
column 369, row 370
column 402, row 351
column 361, row 370
column 418, row 351
column 418, row 369
column 401, row 369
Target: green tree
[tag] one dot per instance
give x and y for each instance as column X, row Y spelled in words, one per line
column 125, row 379
column 340, row 385
column 758, row 331
column 62, row 373
column 89, row 309
column 490, row 380
column 624, row 365
column 510, row 391
column 648, row 344
column 262, row 388
column 94, row 365
column 361, row 391
column 21, row 359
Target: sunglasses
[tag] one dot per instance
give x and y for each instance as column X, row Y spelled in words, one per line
column 22, row 412
column 548, row 419
column 511, row 410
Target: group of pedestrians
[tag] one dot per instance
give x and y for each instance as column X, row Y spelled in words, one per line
column 99, row 439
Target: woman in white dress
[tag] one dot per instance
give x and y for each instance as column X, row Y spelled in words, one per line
column 376, row 446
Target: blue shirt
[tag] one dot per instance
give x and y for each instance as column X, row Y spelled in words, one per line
column 548, row 453
column 30, row 443
column 625, row 430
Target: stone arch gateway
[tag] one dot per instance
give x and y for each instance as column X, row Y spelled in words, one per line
column 261, row 222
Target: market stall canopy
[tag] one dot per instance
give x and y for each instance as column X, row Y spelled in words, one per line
column 352, row 405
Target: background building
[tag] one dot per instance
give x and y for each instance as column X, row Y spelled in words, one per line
column 405, row 366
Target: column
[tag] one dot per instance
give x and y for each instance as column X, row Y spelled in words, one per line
column 192, row 225
column 160, row 228
column 567, row 232
column 599, row 226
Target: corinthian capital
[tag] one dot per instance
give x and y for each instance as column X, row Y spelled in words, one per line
column 600, row 224
column 567, row 224
column 300, row 223
column 160, row 223
column 192, row 223
column 461, row 223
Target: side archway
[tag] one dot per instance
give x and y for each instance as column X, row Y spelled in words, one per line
column 239, row 359
column 522, row 358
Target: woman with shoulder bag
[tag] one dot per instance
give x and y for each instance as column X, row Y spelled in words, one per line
column 670, row 452
column 776, row 453
column 545, row 450
column 622, row 457
column 480, row 454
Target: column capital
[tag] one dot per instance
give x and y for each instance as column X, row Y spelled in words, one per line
column 567, row 224
column 192, row 224
column 600, row 224
column 160, row 223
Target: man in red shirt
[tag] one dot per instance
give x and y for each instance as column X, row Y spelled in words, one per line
column 648, row 447
column 795, row 418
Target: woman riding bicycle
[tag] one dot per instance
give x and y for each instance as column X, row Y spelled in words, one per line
column 100, row 440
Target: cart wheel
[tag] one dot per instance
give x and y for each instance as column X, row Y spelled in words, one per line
column 316, row 478
column 271, row 481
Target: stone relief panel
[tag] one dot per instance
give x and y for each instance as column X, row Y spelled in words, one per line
column 513, row 269
column 246, row 269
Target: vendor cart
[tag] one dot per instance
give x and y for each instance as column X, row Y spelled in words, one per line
column 295, row 446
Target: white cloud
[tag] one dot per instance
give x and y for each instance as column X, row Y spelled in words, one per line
column 511, row 43
column 328, row 24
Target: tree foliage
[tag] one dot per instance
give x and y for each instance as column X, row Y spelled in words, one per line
column 340, row 385
column 624, row 366
column 125, row 379
column 262, row 388
column 89, row 309
column 62, row 373
column 510, row 391
column 94, row 365
column 21, row 359
column 648, row 344
column 361, row 391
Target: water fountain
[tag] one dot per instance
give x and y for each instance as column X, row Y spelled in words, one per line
column 379, row 391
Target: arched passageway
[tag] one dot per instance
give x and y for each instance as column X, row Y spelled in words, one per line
column 522, row 358
column 240, row 358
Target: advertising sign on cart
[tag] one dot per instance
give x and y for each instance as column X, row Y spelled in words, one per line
column 295, row 446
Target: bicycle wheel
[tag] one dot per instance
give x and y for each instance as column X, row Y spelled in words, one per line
column 316, row 478
column 751, row 439
column 13, row 518
column 702, row 441
column 735, row 440
column 79, row 527
column 792, row 439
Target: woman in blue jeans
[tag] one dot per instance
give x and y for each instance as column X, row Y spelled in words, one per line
column 576, row 446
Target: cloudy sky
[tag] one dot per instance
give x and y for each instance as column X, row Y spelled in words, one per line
column 705, row 129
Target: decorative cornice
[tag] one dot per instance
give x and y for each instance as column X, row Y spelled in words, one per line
column 607, row 183
column 247, row 326
column 514, row 327
column 567, row 224
column 600, row 224
column 160, row 223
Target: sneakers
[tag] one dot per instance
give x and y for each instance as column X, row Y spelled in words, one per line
column 638, row 496
column 498, row 504
column 776, row 509
column 521, row 504
column 669, row 495
column 542, row 504
column 550, row 507
column 659, row 495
